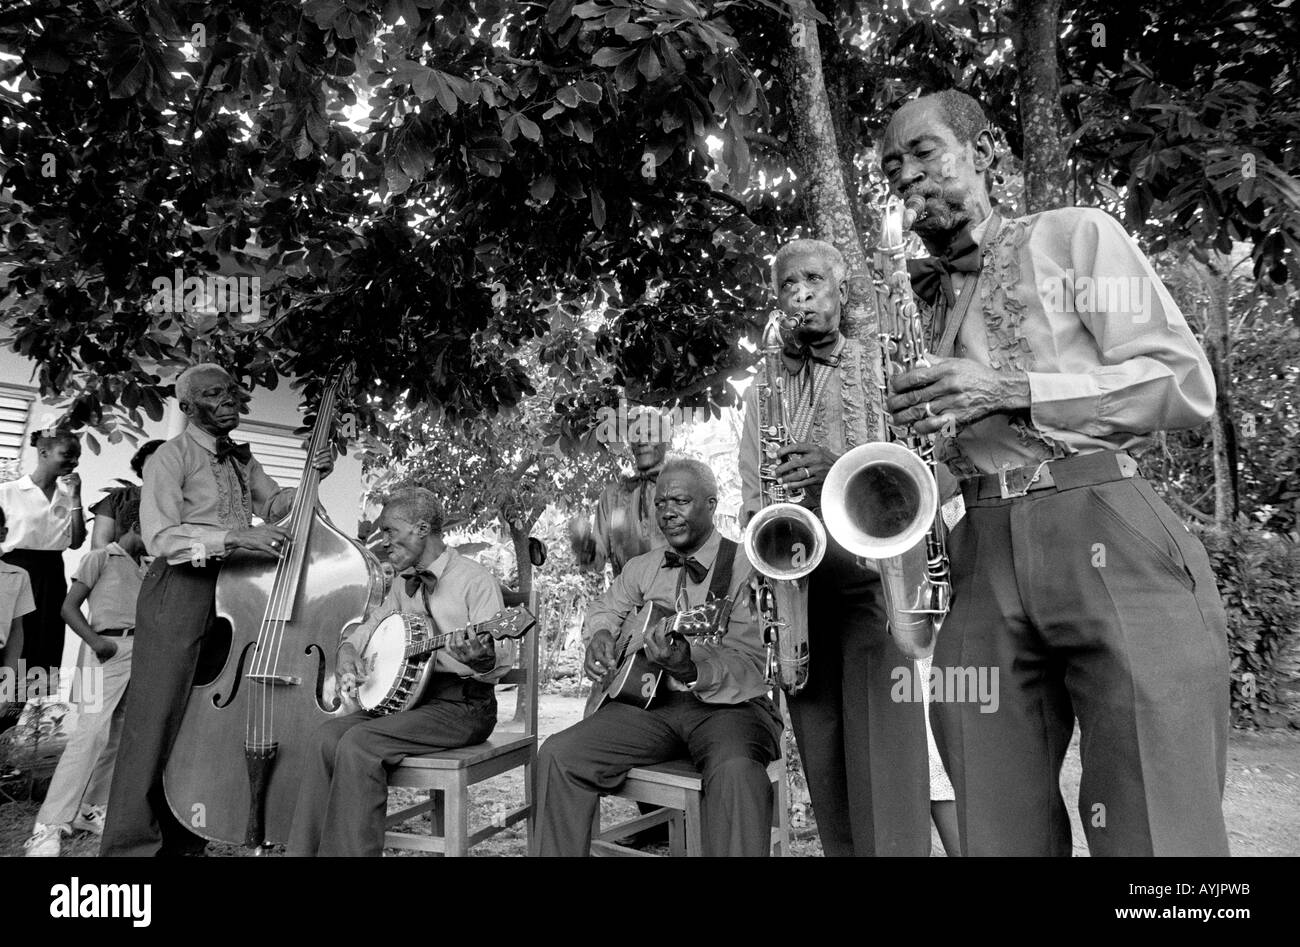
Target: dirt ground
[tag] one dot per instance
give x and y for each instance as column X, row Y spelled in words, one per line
column 1261, row 802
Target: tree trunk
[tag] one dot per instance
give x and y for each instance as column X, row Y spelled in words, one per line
column 825, row 187
column 1217, row 338
column 1035, row 25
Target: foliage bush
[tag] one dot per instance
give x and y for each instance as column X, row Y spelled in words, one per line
column 1257, row 579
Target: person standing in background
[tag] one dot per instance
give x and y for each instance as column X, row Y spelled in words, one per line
column 110, row 579
column 107, row 523
column 15, row 602
column 624, row 519
column 43, row 512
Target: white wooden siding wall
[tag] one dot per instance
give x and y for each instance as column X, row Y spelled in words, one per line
column 277, row 448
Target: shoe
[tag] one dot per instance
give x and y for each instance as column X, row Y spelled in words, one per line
column 91, row 819
column 46, row 841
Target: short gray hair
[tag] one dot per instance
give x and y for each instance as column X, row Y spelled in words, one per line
column 419, row 505
column 827, row 251
column 698, row 469
column 185, row 383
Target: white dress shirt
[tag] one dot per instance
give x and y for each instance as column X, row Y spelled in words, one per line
column 35, row 522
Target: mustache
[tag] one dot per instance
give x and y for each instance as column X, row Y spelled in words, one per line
column 943, row 210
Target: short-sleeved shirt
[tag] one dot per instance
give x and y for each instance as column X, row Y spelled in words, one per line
column 113, row 502
column 15, row 597
column 36, row 522
column 114, row 580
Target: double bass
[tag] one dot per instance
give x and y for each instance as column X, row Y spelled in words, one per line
column 233, row 773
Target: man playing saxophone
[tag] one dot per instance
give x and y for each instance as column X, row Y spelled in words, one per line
column 1071, row 579
column 864, row 754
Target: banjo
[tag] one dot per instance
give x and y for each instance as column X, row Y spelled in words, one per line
column 397, row 661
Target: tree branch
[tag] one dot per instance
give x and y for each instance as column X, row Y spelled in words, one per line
column 662, row 395
column 727, row 199
column 537, row 64
column 1191, row 510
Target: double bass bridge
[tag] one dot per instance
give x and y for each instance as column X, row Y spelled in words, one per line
column 285, row 679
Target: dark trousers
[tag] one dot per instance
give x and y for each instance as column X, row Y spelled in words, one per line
column 731, row 745
column 176, row 640
column 864, row 754
column 1096, row 603
column 43, row 629
column 344, row 795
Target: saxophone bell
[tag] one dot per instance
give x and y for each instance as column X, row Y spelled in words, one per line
column 785, row 541
column 879, row 500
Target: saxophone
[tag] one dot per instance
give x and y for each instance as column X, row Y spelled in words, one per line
column 785, row 541
column 881, row 500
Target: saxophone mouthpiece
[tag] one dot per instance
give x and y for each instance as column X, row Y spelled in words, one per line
column 913, row 210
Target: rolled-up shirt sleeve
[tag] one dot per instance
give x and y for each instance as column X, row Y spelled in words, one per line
column 1145, row 371
column 611, row 608
column 271, row 501
column 484, row 601
column 162, row 501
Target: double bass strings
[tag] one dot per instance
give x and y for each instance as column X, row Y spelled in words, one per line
column 260, row 723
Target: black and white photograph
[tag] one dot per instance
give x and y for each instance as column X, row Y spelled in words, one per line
column 650, row 428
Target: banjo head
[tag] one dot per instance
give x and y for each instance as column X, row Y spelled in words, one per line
column 384, row 660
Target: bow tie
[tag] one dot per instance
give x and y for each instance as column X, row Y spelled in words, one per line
column 934, row 273
column 694, row 568
column 644, row 476
column 225, row 447
column 798, row 356
column 418, row 577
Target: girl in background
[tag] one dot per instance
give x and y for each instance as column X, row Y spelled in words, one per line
column 43, row 512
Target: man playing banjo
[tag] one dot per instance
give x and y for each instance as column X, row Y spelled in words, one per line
column 344, row 793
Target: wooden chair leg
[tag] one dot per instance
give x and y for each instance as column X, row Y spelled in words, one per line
column 694, row 826
column 438, row 814
column 456, row 801
column 781, row 818
column 530, row 798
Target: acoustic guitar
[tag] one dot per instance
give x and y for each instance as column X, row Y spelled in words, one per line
column 636, row 680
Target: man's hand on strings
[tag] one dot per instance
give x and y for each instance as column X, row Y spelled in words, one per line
column 671, row 652
column 474, row 651
column 602, row 656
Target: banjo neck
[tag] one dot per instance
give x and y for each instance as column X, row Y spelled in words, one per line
column 433, row 643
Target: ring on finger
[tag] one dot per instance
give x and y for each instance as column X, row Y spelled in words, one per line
column 929, row 411
column 806, row 474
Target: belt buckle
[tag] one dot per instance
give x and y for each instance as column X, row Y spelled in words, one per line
column 1026, row 481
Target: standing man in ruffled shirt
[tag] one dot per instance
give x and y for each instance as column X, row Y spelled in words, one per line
column 864, row 753
column 1072, row 580
column 200, row 493
column 624, row 521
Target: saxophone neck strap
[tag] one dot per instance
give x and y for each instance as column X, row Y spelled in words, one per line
column 952, row 324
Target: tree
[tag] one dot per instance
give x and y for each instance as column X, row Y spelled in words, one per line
column 1191, row 143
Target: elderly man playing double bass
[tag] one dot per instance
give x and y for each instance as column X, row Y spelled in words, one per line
column 200, row 492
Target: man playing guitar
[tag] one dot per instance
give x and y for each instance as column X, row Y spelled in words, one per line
column 341, row 806
column 712, row 705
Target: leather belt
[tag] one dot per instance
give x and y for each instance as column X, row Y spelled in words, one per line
column 117, row 632
column 1066, row 474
